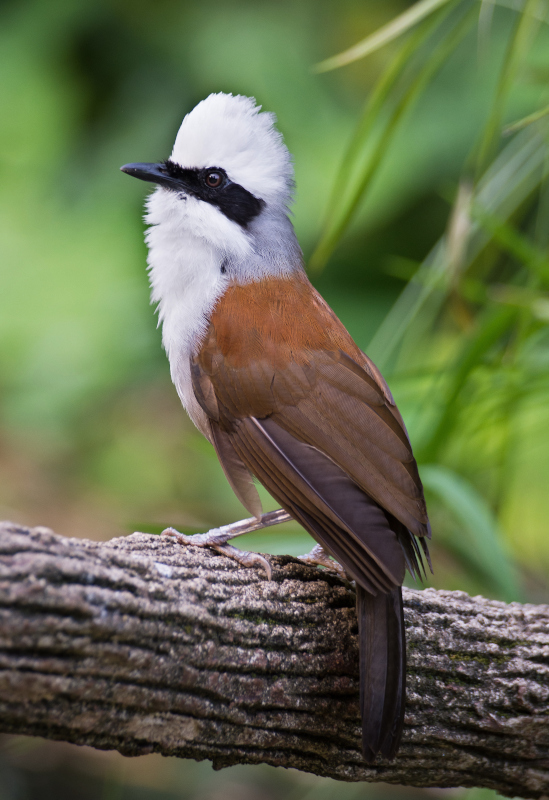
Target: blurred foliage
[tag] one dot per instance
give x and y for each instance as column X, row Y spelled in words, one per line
column 422, row 207
column 34, row 769
column 468, row 334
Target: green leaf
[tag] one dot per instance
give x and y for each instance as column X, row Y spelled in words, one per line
column 481, row 540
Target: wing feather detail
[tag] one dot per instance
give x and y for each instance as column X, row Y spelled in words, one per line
column 331, row 506
column 386, row 479
column 350, row 508
column 309, row 415
column 329, row 402
column 236, row 472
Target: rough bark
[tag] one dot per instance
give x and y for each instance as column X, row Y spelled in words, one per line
column 141, row 645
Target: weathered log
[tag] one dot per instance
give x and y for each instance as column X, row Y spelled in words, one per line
column 140, row 645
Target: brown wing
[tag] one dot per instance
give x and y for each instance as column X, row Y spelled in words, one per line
column 317, row 428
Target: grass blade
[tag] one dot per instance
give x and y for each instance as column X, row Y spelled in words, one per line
column 502, row 190
column 369, row 118
column 347, row 206
column 491, row 327
column 522, row 123
column 513, row 242
column 392, row 30
column 514, row 58
column 481, row 539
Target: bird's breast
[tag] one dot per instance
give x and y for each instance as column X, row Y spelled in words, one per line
column 274, row 321
column 263, row 347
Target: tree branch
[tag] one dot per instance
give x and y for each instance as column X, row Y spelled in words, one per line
column 140, row 645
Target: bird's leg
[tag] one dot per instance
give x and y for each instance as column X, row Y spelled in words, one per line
column 318, row 557
column 217, row 538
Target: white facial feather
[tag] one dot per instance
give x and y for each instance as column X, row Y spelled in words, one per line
column 194, row 249
column 186, row 281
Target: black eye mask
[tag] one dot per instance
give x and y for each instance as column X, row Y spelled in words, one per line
column 233, row 200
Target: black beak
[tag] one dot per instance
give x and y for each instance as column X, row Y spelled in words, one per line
column 154, row 173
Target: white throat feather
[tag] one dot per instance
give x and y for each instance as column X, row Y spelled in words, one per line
column 195, row 250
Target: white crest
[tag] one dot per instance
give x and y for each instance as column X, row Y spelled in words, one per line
column 231, row 132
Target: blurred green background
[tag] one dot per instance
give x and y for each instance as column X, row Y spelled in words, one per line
column 422, row 207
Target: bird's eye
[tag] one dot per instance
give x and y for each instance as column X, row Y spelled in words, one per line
column 214, row 179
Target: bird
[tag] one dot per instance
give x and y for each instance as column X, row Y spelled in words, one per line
column 272, row 378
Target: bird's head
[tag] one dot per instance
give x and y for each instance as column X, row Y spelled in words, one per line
column 228, row 180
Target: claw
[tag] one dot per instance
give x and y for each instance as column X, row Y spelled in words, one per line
column 318, row 557
column 246, row 558
column 217, row 540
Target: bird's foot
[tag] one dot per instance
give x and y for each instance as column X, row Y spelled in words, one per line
column 318, row 557
column 217, row 539
column 246, row 558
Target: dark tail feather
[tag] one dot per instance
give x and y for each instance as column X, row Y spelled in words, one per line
column 382, row 671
